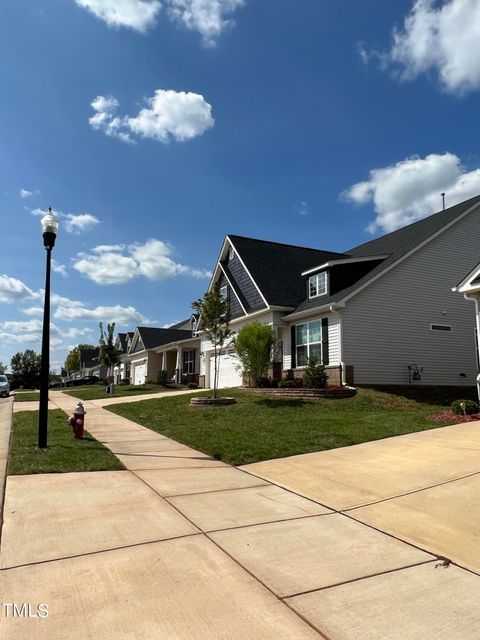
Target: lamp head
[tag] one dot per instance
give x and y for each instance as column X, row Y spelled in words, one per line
column 50, row 227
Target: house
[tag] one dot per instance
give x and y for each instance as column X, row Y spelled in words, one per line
column 174, row 349
column 90, row 365
column 121, row 372
column 469, row 286
column 380, row 313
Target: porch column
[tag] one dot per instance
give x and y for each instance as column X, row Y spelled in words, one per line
column 164, row 359
column 178, row 366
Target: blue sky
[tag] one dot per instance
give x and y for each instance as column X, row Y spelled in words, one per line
column 316, row 122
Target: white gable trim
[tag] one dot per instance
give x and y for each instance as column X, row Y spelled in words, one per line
column 233, row 290
column 248, row 272
column 466, row 286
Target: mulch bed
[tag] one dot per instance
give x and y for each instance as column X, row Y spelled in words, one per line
column 448, row 416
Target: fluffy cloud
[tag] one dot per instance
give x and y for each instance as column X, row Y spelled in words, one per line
column 169, row 115
column 410, row 190
column 14, row 290
column 438, row 38
column 118, row 314
column 25, row 193
column 73, row 222
column 139, row 15
column 208, row 17
column 118, row 264
column 59, row 268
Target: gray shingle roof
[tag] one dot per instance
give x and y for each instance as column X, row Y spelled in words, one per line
column 276, row 267
column 153, row 337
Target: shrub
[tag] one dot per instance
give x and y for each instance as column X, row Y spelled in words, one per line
column 192, row 385
column 162, row 378
column 264, row 383
column 253, row 345
column 314, row 376
column 471, row 407
column 286, row 384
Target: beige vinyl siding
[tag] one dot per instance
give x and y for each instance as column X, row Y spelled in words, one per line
column 387, row 325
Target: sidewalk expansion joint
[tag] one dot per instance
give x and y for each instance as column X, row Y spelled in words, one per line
column 97, row 552
column 261, row 524
column 359, row 579
column 412, row 492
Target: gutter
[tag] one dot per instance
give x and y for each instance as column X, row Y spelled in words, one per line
column 475, row 299
column 326, row 308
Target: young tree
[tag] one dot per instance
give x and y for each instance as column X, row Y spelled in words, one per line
column 25, row 367
column 214, row 312
column 72, row 363
column 109, row 356
column 254, row 345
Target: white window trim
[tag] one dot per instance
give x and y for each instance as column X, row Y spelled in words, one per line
column 224, row 287
column 191, row 353
column 315, row 277
column 307, row 344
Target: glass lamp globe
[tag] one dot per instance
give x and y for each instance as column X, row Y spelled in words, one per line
column 49, row 222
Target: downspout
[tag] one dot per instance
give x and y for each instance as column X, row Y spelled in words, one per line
column 335, row 311
column 477, row 320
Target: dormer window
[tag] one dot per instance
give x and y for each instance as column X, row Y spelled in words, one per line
column 317, row 285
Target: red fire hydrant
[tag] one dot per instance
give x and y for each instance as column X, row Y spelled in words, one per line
column 77, row 421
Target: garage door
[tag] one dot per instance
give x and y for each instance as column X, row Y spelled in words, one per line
column 230, row 372
column 140, row 373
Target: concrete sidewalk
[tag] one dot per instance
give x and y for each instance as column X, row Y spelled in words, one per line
column 183, row 546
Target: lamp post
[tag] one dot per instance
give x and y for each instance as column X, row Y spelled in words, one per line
column 49, row 227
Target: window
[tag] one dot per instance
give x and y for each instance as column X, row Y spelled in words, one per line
column 309, row 342
column 231, row 254
column 224, row 292
column 189, row 361
column 440, row 327
column 317, row 285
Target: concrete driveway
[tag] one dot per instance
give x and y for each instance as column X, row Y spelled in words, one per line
column 421, row 488
column 340, row 545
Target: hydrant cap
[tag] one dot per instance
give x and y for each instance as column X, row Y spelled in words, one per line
column 79, row 409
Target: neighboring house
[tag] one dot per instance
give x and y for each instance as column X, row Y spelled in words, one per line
column 380, row 313
column 89, row 365
column 470, row 288
column 174, row 349
column 121, row 372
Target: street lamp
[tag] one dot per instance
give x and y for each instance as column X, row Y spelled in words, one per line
column 49, row 227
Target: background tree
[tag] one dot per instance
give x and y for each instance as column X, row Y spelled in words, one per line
column 25, row 366
column 214, row 321
column 3, row 368
column 254, row 346
column 72, row 363
column 109, row 356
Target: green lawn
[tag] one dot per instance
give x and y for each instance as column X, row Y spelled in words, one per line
column 263, row 427
column 27, row 396
column 96, row 391
column 63, row 453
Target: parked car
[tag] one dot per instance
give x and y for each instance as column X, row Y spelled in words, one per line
column 90, row 380
column 4, row 387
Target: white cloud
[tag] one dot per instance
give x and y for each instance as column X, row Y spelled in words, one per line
column 79, row 223
column 25, row 193
column 302, row 209
column 410, row 189
column 208, row 17
column 139, row 15
column 118, row 265
column 118, row 314
column 14, row 290
column 169, row 115
column 33, row 311
column 59, row 268
column 437, row 38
